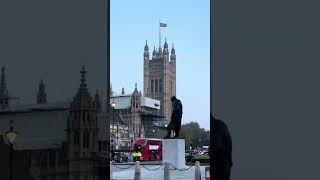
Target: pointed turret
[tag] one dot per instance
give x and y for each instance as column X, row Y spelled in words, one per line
column 146, row 51
column 41, row 96
column 154, row 52
column 4, row 96
column 135, row 99
column 165, row 46
column 173, row 54
column 159, row 53
column 83, row 98
column 166, row 51
column 97, row 101
column 122, row 92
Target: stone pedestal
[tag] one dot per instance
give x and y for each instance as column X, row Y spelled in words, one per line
column 173, row 152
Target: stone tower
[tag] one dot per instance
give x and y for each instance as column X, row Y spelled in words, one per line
column 83, row 134
column 41, row 96
column 135, row 110
column 160, row 76
column 4, row 96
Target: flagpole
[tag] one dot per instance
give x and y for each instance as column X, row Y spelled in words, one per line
column 159, row 34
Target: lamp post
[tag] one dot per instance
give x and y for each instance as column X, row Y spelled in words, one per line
column 113, row 104
column 11, row 136
column 118, row 132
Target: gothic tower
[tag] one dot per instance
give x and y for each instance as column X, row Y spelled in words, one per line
column 135, row 111
column 41, row 96
column 4, row 96
column 160, row 76
column 83, row 134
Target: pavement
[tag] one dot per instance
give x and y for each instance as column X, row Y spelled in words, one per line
column 153, row 172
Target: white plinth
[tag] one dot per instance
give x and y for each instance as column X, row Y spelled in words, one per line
column 173, row 151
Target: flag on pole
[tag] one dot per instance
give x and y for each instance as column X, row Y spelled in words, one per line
column 163, row 25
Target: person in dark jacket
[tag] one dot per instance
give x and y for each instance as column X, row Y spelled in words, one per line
column 176, row 116
column 221, row 150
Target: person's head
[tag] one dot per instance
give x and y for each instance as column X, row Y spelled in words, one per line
column 173, row 98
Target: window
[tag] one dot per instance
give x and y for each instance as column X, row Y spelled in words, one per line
column 85, row 139
column 76, row 138
column 151, row 85
column 160, row 85
column 156, row 85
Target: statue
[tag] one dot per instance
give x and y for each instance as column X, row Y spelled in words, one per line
column 222, row 150
column 174, row 126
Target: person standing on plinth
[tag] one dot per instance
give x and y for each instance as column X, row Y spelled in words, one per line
column 176, row 116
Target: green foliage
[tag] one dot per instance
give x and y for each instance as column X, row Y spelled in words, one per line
column 192, row 132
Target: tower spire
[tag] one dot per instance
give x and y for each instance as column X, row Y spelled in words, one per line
column 83, row 77
column 42, row 96
column 4, row 97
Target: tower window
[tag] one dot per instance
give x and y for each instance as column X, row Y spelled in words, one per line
column 156, row 85
column 160, row 85
column 151, row 85
column 76, row 138
column 85, row 139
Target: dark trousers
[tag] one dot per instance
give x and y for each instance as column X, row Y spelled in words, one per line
column 174, row 125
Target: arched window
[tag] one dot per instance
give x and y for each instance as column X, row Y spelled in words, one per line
column 160, row 85
column 85, row 139
column 151, row 85
column 156, row 85
column 76, row 138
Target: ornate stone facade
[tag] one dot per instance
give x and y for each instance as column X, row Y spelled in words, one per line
column 64, row 140
column 160, row 76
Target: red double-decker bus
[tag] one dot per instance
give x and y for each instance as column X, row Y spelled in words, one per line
column 150, row 148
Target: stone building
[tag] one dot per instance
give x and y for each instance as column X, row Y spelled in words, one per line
column 141, row 115
column 61, row 140
column 160, row 76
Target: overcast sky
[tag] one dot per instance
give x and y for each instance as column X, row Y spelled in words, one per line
column 52, row 40
column 134, row 22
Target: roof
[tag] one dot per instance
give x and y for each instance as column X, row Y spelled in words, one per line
column 36, row 107
column 124, row 102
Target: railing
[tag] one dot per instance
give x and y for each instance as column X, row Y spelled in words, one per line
column 167, row 168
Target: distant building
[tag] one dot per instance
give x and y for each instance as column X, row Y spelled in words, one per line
column 140, row 115
column 63, row 140
column 159, row 74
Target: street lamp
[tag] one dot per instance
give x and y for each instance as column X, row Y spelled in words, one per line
column 113, row 104
column 11, row 136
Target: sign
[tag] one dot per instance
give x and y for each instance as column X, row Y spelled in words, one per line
column 153, row 147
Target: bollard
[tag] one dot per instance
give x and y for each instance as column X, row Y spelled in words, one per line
column 111, row 171
column 137, row 173
column 166, row 171
column 207, row 171
column 197, row 173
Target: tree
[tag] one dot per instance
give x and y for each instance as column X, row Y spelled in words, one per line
column 192, row 132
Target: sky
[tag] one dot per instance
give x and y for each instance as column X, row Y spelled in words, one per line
column 39, row 43
column 188, row 27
